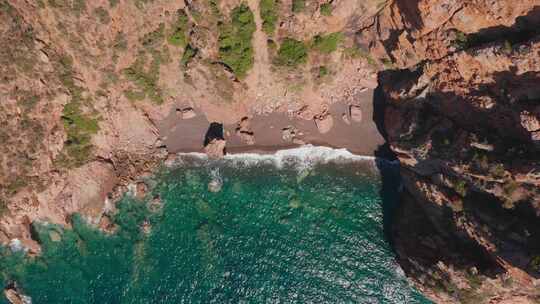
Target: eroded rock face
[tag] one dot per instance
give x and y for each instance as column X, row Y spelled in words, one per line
column 463, row 126
column 406, row 32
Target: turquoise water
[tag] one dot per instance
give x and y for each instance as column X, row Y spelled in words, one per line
column 276, row 232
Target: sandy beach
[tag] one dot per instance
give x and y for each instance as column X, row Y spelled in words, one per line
column 358, row 137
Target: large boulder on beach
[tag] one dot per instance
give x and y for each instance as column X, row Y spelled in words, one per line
column 244, row 131
column 215, row 148
column 324, row 123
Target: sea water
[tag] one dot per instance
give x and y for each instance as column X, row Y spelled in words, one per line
column 300, row 226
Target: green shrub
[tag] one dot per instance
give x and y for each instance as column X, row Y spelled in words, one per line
column 326, row 9
column 235, row 48
column 461, row 188
column 79, row 128
column 146, row 80
column 178, row 36
column 510, row 187
column 269, row 15
column 103, row 15
column 298, row 6
column 292, row 52
column 78, row 125
column 327, row 43
column 189, row 53
column 154, row 38
column 462, row 41
column 3, row 207
column 534, row 263
column 497, row 170
column 323, row 71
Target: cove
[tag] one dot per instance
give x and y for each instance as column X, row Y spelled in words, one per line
column 300, row 226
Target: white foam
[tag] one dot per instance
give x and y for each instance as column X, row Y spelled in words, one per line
column 300, row 158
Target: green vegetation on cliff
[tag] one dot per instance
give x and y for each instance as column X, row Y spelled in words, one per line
column 269, row 15
column 298, row 6
column 178, row 36
column 78, row 124
column 145, row 79
column 326, row 9
column 327, row 43
column 292, row 53
column 235, row 48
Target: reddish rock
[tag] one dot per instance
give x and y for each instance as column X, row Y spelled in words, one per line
column 529, row 121
column 324, row 123
column 215, row 148
column 356, row 113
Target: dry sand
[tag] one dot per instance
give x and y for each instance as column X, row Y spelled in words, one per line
column 362, row 138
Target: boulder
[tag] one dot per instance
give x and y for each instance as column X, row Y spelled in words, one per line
column 215, row 185
column 243, row 130
column 529, row 121
column 356, row 113
column 141, row 190
column 215, row 148
column 324, row 123
column 186, row 113
column 15, row 297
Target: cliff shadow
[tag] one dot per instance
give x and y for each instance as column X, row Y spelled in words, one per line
column 215, row 131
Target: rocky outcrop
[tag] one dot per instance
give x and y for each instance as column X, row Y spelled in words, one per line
column 406, row 32
column 463, row 124
column 243, row 130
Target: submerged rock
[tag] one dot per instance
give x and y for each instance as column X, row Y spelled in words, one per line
column 215, row 185
column 15, row 297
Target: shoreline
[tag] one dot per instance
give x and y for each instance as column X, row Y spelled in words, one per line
column 267, row 132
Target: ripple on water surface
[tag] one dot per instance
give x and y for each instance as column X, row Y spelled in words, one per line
column 281, row 229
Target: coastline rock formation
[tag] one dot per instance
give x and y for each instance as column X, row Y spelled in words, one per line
column 86, row 88
column 461, row 117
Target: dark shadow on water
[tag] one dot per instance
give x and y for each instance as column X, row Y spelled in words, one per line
column 388, row 166
column 389, row 193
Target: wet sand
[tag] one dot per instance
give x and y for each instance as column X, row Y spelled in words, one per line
column 362, row 138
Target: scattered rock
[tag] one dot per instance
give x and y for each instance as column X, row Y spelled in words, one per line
column 186, row 113
column 215, row 185
column 356, row 113
column 155, row 204
column 43, row 56
column 288, row 133
column 141, row 190
column 146, row 227
column 106, row 224
column 482, row 146
column 345, row 118
column 324, row 122
column 304, row 113
column 215, row 148
column 529, row 121
column 243, row 130
column 15, row 297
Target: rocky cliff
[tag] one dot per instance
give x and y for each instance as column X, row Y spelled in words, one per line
column 460, row 108
column 84, row 86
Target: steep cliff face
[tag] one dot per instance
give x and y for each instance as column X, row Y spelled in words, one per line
column 464, row 121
